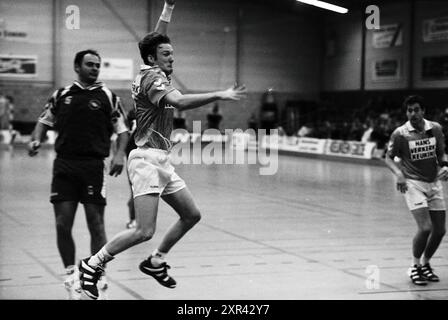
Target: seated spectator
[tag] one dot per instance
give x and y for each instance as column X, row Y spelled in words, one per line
column 305, row 131
column 366, row 136
column 269, row 112
column 179, row 121
column 323, row 130
column 356, row 130
column 252, row 122
column 214, row 118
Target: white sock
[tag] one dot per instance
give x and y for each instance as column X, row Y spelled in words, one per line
column 158, row 257
column 70, row 270
column 100, row 258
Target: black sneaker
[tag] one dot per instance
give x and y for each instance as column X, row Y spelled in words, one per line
column 428, row 274
column 416, row 275
column 88, row 278
column 159, row 273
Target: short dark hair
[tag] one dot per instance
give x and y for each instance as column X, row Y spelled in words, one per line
column 413, row 99
column 148, row 45
column 80, row 55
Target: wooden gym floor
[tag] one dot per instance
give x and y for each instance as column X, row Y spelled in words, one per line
column 315, row 230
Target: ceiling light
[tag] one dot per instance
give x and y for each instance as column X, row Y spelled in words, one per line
column 325, row 5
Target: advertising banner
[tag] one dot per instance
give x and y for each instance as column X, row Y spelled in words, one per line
column 386, row 70
column 116, row 69
column 387, row 36
column 435, row 29
column 311, row 145
column 18, row 66
column 352, row 149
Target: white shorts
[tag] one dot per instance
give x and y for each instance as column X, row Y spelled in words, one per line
column 150, row 171
column 422, row 194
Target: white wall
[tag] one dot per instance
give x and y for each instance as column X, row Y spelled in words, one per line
column 101, row 30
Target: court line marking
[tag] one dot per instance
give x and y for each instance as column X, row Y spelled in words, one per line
column 396, row 267
column 297, row 255
column 288, row 201
column 279, row 200
column 43, row 265
column 59, row 278
column 332, row 212
column 289, row 253
column 127, row 289
column 12, row 218
column 399, row 291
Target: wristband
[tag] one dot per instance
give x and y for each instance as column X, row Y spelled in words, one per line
column 166, row 12
column 444, row 164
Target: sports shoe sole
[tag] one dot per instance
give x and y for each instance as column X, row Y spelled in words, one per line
column 418, row 283
column 150, row 272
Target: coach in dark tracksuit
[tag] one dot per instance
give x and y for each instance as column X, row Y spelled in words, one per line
column 85, row 114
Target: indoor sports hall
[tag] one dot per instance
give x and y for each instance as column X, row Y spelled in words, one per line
column 296, row 200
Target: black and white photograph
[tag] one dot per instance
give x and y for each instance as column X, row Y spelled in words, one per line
column 222, row 156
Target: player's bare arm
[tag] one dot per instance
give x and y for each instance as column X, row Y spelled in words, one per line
column 443, row 171
column 117, row 162
column 196, row 100
column 442, row 158
column 395, row 168
column 40, row 131
column 165, row 17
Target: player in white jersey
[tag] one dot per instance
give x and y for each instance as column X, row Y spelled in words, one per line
column 416, row 155
column 150, row 171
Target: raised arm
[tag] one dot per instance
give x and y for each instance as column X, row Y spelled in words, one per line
column 165, row 17
column 195, row 100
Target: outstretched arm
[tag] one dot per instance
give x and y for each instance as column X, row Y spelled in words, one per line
column 195, row 100
column 165, row 17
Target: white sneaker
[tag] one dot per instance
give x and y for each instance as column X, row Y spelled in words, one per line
column 72, row 286
column 102, row 286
